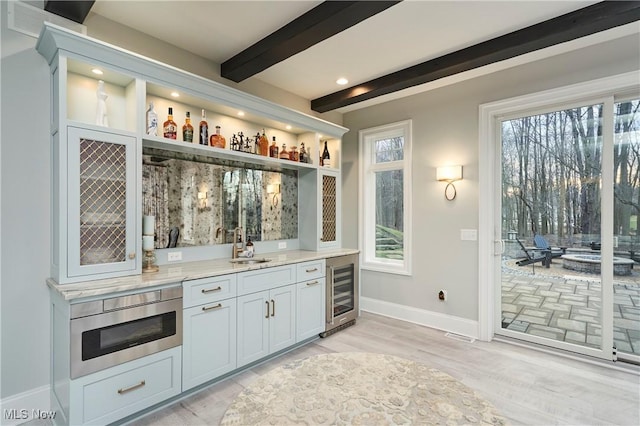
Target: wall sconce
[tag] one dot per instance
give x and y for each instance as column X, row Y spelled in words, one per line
column 275, row 190
column 202, row 196
column 449, row 174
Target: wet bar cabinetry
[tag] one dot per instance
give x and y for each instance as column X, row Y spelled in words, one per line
column 98, row 132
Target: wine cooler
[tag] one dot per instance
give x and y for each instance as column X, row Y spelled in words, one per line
column 342, row 293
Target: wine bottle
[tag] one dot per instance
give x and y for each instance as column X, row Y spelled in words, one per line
column 203, row 130
column 326, row 158
column 152, row 121
column 170, row 129
column 187, row 129
column 273, row 149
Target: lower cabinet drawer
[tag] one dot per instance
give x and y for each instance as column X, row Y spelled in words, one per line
column 114, row 393
column 265, row 279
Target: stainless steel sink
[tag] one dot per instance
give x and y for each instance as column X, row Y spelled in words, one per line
column 250, row 260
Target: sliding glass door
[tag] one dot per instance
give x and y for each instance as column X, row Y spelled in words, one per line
column 569, row 193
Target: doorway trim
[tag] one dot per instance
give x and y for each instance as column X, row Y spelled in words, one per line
column 489, row 244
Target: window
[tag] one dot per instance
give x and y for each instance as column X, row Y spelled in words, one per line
column 385, row 198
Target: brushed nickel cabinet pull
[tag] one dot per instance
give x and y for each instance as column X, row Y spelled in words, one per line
column 132, row 256
column 219, row 305
column 312, row 270
column 131, row 388
column 273, row 307
column 267, row 302
column 313, row 283
column 211, row 290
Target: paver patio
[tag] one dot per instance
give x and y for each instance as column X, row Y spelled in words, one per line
column 564, row 305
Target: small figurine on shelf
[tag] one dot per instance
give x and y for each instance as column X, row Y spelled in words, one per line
column 101, row 109
column 256, row 143
column 234, row 143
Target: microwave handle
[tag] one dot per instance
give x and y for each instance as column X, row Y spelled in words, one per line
column 330, row 289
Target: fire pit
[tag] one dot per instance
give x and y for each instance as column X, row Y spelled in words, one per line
column 590, row 263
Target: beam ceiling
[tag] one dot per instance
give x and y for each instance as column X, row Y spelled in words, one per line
column 582, row 22
column 76, row 10
column 323, row 21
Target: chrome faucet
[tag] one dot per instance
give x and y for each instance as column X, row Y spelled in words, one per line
column 235, row 250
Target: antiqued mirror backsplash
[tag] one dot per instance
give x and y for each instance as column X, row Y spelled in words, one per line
column 199, row 201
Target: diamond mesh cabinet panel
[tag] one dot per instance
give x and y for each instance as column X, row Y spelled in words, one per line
column 102, row 202
column 329, row 223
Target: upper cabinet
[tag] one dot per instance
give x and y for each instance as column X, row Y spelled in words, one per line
column 98, row 87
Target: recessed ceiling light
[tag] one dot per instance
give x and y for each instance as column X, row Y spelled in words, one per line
column 288, row 127
column 241, row 113
column 175, row 94
column 342, row 81
column 97, row 71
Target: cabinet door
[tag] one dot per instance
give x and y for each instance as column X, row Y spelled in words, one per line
column 209, row 345
column 253, row 327
column 101, row 229
column 330, row 214
column 310, row 307
column 282, row 317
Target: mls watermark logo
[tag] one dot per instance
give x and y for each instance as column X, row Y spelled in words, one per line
column 24, row 414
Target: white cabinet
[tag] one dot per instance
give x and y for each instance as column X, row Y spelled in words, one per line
column 114, row 393
column 266, row 323
column 321, row 228
column 310, row 299
column 100, row 228
column 310, row 308
column 209, row 333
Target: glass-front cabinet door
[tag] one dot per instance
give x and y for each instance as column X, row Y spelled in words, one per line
column 330, row 220
column 101, row 190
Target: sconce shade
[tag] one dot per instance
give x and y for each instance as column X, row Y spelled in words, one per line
column 449, row 173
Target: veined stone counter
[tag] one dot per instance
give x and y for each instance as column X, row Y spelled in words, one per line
column 179, row 272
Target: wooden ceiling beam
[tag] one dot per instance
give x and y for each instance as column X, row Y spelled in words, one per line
column 583, row 22
column 76, row 10
column 323, row 21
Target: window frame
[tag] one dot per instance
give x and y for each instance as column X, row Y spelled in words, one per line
column 367, row 186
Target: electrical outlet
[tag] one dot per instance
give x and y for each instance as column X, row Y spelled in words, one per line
column 174, row 256
column 442, row 295
column 282, row 245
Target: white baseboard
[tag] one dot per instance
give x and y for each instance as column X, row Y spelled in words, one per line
column 23, row 407
column 450, row 323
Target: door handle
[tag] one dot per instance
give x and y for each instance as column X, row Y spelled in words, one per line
column 267, row 316
column 122, row 391
column 273, row 307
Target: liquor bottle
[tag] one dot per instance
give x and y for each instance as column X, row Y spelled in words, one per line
column 152, row 121
column 293, row 154
column 284, row 154
column 303, row 153
column 203, row 130
column 326, row 158
column 170, row 128
column 187, row 129
column 273, row 149
column 217, row 140
column 264, row 144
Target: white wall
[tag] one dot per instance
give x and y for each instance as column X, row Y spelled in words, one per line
column 445, row 131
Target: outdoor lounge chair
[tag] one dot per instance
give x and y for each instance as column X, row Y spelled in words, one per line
column 541, row 243
column 534, row 255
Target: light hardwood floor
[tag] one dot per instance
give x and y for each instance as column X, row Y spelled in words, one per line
column 528, row 387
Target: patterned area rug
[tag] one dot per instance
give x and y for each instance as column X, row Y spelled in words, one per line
column 358, row 389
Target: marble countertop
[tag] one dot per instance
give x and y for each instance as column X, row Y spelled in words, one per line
column 178, row 272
